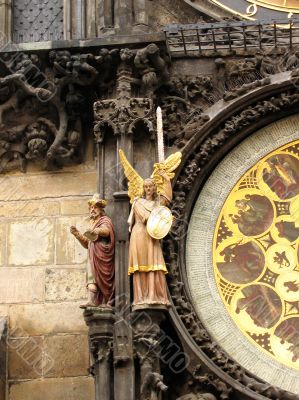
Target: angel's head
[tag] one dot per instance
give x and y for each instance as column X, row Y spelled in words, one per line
column 149, row 189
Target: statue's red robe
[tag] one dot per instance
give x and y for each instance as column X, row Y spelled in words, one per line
column 101, row 255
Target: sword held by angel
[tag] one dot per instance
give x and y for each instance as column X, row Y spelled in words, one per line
column 149, row 221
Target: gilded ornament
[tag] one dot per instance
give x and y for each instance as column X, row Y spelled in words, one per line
column 256, row 260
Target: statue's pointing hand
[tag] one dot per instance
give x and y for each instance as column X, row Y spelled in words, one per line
column 74, row 231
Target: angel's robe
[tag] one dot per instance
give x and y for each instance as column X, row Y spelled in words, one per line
column 146, row 261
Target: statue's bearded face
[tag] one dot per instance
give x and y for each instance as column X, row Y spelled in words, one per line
column 95, row 211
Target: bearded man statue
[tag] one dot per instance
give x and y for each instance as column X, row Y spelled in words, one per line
column 99, row 239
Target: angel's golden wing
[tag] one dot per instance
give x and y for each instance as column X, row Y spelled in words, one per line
column 135, row 182
column 169, row 166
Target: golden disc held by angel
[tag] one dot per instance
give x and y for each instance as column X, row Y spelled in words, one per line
column 149, row 220
column 159, row 222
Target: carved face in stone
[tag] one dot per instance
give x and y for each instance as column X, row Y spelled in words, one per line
column 37, row 148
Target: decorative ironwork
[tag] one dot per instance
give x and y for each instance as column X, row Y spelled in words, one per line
column 228, row 37
column 37, row 21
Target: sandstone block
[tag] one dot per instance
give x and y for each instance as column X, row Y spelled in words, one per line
column 2, row 244
column 75, row 207
column 4, row 310
column 37, row 208
column 65, row 284
column 68, row 249
column 70, row 354
column 21, row 285
column 80, row 388
column 37, row 186
column 30, row 242
column 49, row 318
column 25, row 358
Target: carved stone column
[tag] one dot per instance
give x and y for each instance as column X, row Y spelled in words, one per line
column 123, row 15
column 142, row 13
column 100, row 322
column 147, row 335
column 132, row 14
column 67, row 19
column 105, row 15
column 75, row 20
column 121, row 114
column 5, row 21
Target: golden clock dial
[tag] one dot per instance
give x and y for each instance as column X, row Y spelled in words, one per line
column 284, row 5
column 260, row 9
column 256, row 254
column 242, row 254
column 280, row 3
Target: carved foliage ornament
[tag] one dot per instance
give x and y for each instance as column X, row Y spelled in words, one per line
column 185, row 98
column 145, row 69
column 42, row 103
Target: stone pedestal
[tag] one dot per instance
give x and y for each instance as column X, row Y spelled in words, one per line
column 100, row 322
column 124, row 371
column 151, row 308
column 111, row 345
column 147, row 334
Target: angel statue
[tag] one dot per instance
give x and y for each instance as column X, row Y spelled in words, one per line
column 149, row 221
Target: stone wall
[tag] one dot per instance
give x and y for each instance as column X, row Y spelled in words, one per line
column 42, row 282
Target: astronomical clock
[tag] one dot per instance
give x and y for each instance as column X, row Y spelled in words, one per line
column 259, row 9
column 242, row 254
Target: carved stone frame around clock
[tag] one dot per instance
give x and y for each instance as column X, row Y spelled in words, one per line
column 230, row 123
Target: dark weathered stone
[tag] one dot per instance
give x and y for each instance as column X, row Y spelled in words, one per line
column 3, row 356
column 32, row 23
column 100, row 322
